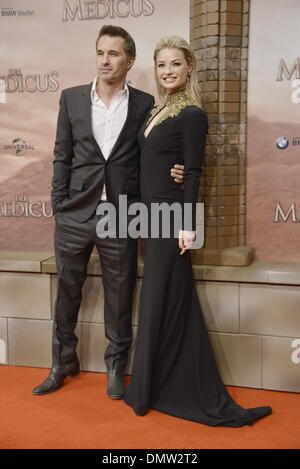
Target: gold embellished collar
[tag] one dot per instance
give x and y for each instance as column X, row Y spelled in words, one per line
column 174, row 104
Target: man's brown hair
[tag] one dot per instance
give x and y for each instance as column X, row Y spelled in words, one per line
column 129, row 44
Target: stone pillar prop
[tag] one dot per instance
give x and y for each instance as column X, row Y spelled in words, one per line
column 219, row 38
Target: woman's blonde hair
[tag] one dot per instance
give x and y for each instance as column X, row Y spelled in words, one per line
column 192, row 87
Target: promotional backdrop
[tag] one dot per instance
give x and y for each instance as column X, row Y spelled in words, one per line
column 45, row 47
column 273, row 153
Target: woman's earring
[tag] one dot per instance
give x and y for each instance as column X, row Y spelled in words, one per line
column 188, row 77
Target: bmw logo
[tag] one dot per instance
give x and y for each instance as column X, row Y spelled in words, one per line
column 282, row 143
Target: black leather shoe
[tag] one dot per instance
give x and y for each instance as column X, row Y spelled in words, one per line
column 115, row 384
column 56, row 378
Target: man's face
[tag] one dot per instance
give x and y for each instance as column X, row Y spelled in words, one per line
column 111, row 59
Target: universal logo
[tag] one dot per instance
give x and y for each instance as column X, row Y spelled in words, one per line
column 9, row 11
column 23, row 207
column 283, row 142
column 32, row 83
column 99, row 9
column 18, row 146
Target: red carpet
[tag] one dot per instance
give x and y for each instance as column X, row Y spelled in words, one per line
column 80, row 415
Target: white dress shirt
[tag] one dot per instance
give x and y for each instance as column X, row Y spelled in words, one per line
column 107, row 122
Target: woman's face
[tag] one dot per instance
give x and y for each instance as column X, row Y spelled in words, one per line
column 172, row 69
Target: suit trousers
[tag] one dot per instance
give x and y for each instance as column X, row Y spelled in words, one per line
column 74, row 242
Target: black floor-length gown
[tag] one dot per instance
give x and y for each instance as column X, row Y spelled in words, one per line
column 174, row 370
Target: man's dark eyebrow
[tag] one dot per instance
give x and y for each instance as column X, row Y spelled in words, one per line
column 111, row 50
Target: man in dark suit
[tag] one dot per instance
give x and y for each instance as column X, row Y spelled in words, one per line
column 96, row 160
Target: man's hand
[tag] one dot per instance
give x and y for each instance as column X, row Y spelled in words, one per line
column 177, row 172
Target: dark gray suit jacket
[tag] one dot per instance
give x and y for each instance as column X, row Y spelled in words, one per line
column 80, row 169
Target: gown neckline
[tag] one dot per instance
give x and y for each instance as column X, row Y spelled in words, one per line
column 149, row 123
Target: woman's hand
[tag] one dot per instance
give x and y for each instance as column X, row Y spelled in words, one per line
column 185, row 240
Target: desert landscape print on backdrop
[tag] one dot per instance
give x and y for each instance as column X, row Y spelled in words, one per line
column 40, row 44
column 272, row 174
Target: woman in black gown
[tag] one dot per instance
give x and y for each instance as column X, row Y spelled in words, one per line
column 174, row 370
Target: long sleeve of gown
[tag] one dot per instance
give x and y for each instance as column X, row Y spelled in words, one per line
column 194, row 124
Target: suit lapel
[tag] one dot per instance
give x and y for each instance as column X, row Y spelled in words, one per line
column 132, row 111
column 133, row 104
column 87, row 112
